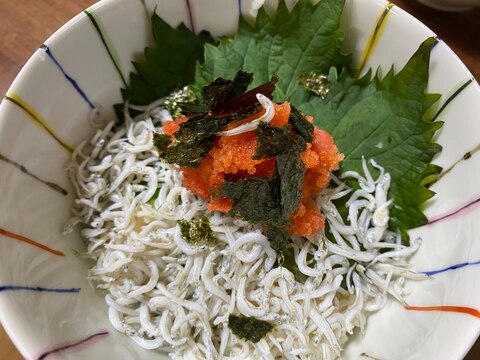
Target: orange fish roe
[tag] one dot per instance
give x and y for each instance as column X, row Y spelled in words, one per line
column 222, row 205
column 320, row 158
column 171, row 127
column 329, row 158
column 282, row 113
column 310, row 157
column 307, row 220
column 232, row 154
column 231, row 159
column 204, row 180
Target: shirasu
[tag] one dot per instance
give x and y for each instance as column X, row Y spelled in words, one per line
column 169, row 295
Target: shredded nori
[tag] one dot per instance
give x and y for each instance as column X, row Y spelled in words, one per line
column 267, row 201
column 249, row 328
column 302, row 126
column 272, row 141
column 221, row 91
column 291, row 171
column 278, row 238
column 183, row 153
column 225, row 102
column 197, row 231
column 204, row 125
column 192, row 142
column 250, row 97
column 180, row 99
column 256, row 200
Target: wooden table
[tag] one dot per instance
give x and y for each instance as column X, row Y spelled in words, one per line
column 25, row 24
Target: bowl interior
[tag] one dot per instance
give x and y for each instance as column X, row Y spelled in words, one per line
column 45, row 116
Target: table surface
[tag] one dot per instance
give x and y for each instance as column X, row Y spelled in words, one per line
column 25, row 24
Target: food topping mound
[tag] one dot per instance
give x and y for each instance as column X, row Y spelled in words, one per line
column 253, row 158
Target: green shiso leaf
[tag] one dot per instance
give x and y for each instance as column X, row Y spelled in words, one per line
column 287, row 44
column 249, row 328
column 386, row 119
column 168, row 65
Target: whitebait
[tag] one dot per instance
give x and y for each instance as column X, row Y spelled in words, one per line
column 170, row 295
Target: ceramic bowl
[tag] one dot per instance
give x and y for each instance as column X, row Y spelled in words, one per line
column 46, row 304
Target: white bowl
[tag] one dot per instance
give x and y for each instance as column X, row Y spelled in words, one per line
column 39, row 322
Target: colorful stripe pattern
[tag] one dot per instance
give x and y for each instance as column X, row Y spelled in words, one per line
column 374, row 37
column 456, row 309
column 191, row 18
column 89, row 340
column 112, row 53
column 454, row 213
column 452, row 97
column 369, row 49
column 24, row 170
column 38, row 289
column 37, row 119
column 29, row 241
column 465, row 157
column 71, row 80
column 449, row 268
